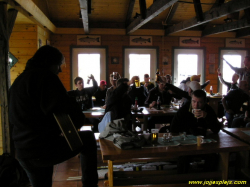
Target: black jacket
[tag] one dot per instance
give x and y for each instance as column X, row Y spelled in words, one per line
column 100, row 96
column 184, row 121
column 84, row 97
column 140, row 93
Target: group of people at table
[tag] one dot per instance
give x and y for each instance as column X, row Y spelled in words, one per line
column 38, row 93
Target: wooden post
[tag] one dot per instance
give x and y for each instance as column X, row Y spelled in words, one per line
column 5, row 32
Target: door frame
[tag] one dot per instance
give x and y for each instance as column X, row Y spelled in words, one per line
column 203, row 59
column 87, row 47
column 139, row 47
column 220, row 61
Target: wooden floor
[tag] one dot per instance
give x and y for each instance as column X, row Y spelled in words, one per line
column 69, row 168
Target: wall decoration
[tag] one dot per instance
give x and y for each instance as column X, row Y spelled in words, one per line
column 235, row 42
column 114, row 60
column 88, row 40
column 189, row 41
column 211, row 58
column 140, row 40
column 211, row 69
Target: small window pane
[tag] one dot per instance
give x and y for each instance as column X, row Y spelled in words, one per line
column 139, row 64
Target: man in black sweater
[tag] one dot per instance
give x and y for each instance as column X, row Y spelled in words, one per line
column 195, row 117
column 35, row 95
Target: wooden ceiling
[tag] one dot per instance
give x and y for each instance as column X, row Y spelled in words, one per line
column 210, row 17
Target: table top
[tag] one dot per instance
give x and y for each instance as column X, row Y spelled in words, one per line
column 239, row 134
column 225, row 143
column 99, row 112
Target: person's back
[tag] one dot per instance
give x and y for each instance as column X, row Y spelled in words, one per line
column 34, row 97
column 100, row 94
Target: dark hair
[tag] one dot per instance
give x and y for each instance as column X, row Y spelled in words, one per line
column 248, row 57
column 200, row 94
column 121, row 80
column 45, row 57
column 77, row 79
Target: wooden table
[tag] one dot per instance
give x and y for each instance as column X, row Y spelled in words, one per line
column 224, row 145
column 146, row 112
column 237, row 133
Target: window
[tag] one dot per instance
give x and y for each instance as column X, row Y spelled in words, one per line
column 188, row 62
column 139, row 62
column 86, row 61
column 236, row 59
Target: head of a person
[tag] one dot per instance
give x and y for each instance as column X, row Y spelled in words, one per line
column 135, row 78
column 243, row 85
column 187, row 79
column 122, row 80
column 193, row 86
column 199, row 99
column 235, row 77
column 195, row 78
column 162, row 83
column 112, row 81
column 146, row 78
column 247, row 61
column 46, row 57
column 169, row 78
column 103, row 85
column 79, row 83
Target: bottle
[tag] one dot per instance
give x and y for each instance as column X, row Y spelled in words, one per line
column 136, row 102
column 211, row 90
column 157, row 76
column 158, row 103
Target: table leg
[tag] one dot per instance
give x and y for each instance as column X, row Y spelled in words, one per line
column 224, row 163
column 110, row 173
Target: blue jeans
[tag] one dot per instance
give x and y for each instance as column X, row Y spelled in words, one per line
column 40, row 170
column 105, row 120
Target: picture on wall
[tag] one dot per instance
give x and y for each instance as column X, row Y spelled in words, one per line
column 235, row 42
column 189, row 41
column 88, row 40
column 140, row 40
column 114, row 60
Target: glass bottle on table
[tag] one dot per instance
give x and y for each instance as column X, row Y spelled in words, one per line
column 157, row 76
column 211, row 90
column 136, row 103
column 158, row 103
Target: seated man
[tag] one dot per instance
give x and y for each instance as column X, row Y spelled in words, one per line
column 100, row 94
column 166, row 96
column 147, row 84
column 233, row 102
column 83, row 97
column 230, row 85
column 118, row 105
column 197, row 122
column 139, row 93
column 198, row 79
column 35, row 95
column 183, row 86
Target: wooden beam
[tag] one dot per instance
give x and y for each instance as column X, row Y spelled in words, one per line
column 247, row 14
column 85, row 16
column 5, row 80
column 89, row 6
column 155, row 9
column 198, row 10
column 215, row 13
column 217, row 3
column 130, row 12
column 143, row 8
column 226, row 27
column 171, row 13
column 12, row 14
column 35, row 12
column 243, row 33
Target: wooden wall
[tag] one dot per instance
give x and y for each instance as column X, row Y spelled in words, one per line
column 115, row 45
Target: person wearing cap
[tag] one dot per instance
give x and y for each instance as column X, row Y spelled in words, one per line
column 100, row 94
column 197, row 78
column 165, row 95
column 147, row 84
